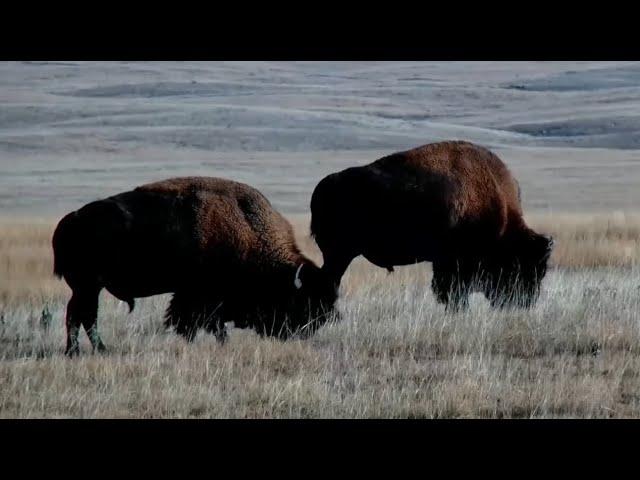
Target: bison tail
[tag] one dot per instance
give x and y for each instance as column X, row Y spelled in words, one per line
column 324, row 205
column 320, row 223
column 312, row 229
column 316, row 213
column 63, row 245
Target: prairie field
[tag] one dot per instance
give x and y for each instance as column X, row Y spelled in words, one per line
column 394, row 354
column 73, row 132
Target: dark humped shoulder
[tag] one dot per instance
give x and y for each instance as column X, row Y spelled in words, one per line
column 201, row 184
column 448, row 157
column 235, row 208
column 272, row 230
column 207, row 190
column 444, row 147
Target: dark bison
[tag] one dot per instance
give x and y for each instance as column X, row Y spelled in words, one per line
column 217, row 245
column 454, row 204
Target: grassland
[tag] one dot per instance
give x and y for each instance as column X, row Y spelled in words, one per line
column 395, row 354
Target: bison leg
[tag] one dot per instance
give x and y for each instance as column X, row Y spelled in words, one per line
column 336, row 264
column 218, row 328
column 82, row 309
column 214, row 322
column 221, row 334
column 182, row 315
column 91, row 327
column 450, row 286
column 90, row 322
column 73, row 322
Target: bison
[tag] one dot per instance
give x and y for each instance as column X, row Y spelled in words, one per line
column 454, row 204
column 217, row 245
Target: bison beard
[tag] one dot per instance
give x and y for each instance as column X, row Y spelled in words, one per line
column 454, row 204
column 217, row 245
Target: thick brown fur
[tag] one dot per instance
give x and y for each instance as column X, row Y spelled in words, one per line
column 217, row 245
column 453, row 203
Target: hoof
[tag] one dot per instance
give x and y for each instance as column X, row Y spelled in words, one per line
column 72, row 351
column 222, row 336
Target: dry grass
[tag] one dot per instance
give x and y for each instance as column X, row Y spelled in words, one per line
column 584, row 241
column 395, row 354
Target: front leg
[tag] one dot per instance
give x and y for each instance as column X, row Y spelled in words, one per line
column 213, row 320
column 450, row 286
column 336, row 263
column 180, row 315
column 82, row 310
column 217, row 327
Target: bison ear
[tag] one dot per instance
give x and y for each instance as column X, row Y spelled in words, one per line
column 296, row 281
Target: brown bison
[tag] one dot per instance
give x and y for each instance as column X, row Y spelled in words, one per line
column 217, row 245
column 454, row 204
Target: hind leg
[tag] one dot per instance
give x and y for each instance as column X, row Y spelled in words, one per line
column 73, row 322
column 90, row 324
column 450, row 286
column 82, row 309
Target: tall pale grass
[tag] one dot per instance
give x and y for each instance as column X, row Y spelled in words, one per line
column 395, row 354
column 598, row 240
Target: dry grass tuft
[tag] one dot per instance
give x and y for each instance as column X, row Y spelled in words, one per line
column 585, row 241
column 26, row 263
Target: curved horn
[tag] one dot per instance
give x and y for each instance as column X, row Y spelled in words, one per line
column 550, row 242
column 297, row 282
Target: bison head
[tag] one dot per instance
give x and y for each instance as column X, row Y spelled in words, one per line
column 314, row 297
column 515, row 271
column 301, row 306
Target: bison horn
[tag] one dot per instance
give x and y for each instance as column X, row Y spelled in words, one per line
column 297, row 282
column 550, row 242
